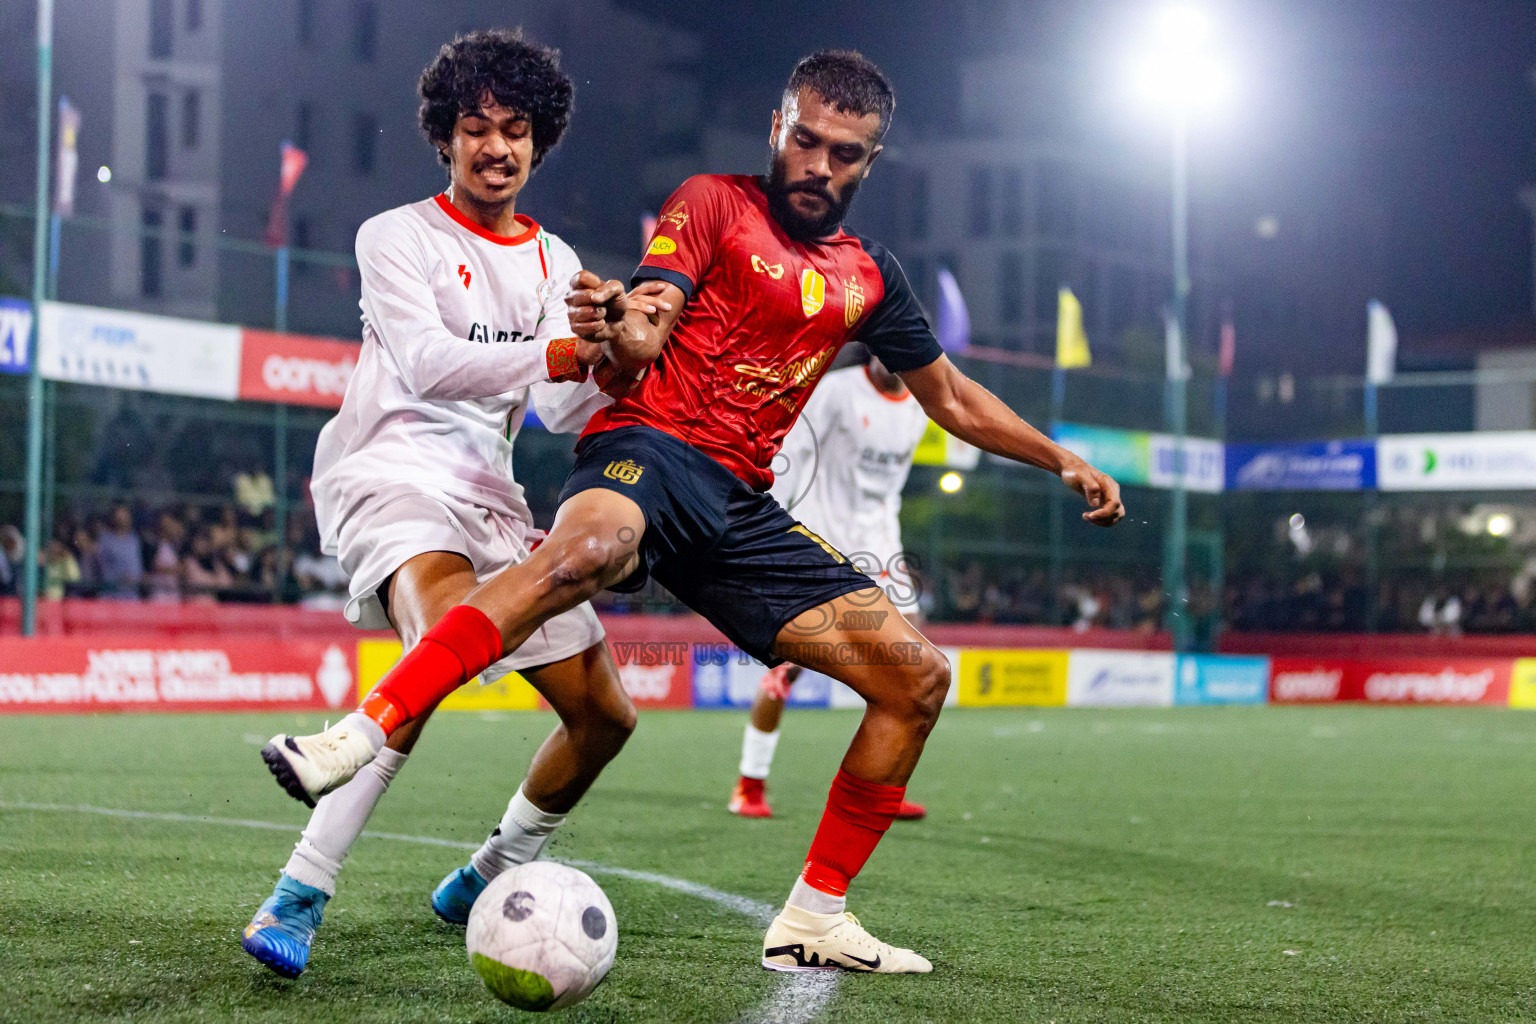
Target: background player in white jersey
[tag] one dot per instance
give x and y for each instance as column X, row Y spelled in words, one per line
column 464, row 323
column 844, row 465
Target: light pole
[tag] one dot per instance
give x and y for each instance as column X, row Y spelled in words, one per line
column 33, row 521
column 1180, row 76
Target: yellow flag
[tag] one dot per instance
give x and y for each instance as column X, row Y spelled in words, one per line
column 1071, row 339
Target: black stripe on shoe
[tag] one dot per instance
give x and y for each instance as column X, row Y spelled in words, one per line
column 278, row 765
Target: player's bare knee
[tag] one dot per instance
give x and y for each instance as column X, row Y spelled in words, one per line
column 930, row 685
column 584, row 562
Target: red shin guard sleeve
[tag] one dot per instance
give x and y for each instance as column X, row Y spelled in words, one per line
column 461, row 646
column 857, row 815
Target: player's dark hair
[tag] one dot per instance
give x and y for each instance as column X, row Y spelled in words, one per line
column 849, row 81
column 518, row 72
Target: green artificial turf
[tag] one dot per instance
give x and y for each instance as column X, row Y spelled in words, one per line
column 1222, row 864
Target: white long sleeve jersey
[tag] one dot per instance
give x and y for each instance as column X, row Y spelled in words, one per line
column 456, row 324
column 845, row 462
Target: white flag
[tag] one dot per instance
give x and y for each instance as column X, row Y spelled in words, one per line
column 1380, row 344
column 1173, row 339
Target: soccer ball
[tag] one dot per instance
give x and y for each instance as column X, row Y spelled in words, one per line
column 541, row 936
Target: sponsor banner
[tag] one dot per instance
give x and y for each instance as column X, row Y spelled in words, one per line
column 1221, row 679
column 295, row 369
column 1391, row 680
column 1322, row 466
column 509, row 693
column 1522, row 684
column 1429, row 681
column 1486, row 461
column 1151, row 460
column 1200, row 461
column 1306, row 680
column 138, row 351
column 1125, row 455
column 724, row 677
column 15, row 334
column 120, row 675
column 1119, row 679
column 997, row 678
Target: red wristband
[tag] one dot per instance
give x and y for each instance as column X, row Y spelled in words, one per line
column 561, row 359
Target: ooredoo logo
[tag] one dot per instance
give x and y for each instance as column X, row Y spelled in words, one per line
column 1316, row 684
column 647, row 682
column 1445, row 686
column 305, row 376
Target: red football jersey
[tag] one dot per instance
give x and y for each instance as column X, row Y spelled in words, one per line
column 763, row 319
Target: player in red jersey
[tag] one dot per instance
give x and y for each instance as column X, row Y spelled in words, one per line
column 764, row 286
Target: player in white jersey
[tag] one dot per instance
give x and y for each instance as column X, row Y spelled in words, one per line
column 843, row 467
column 464, row 324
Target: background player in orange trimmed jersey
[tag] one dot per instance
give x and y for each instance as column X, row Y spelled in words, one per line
column 670, row 482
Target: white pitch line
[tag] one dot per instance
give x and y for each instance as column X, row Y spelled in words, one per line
column 796, row 999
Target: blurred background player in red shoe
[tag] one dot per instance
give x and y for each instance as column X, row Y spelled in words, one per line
column 840, row 472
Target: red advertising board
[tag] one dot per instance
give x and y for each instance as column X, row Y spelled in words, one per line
column 1430, row 681
column 1306, row 680
column 1390, row 680
column 295, row 369
column 663, row 685
column 119, row 674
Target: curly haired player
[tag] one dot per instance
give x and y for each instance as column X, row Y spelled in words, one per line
column 464, row 324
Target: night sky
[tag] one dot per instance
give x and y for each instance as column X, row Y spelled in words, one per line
column 1406, row 125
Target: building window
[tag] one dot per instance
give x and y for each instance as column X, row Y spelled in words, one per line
column 149, row 254
column 365, row 30
column 1050, row 275
column 162, row 29
column 1058, row 200
column 194, row 15
column 1010, row 291
column 1011, row 215
column 186, row 245
column 303, row 125
column 365, row 134
column 191, row 115
column 917, row 206
column 979, row 201
column 156, row 136
column 307, row 22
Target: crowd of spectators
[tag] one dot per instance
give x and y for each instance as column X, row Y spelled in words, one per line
column 1320, row 603
column 229, row 553
column 223, row 553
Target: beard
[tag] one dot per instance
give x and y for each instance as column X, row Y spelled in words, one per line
column 796, row 224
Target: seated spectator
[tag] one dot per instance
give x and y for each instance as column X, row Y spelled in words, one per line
column 13, row 550
column 165, row 563
column 203, row 572
column 118, row 558
column 61, row 570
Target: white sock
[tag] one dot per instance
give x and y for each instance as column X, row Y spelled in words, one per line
column 368, row 727
column 523, row 831
column 808, row 897
column 757, row 752
column 337, row 821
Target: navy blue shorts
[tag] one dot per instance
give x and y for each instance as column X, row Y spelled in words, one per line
column 730, row 553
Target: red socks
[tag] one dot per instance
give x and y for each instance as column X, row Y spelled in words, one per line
column 463, row 644
column 857, row 815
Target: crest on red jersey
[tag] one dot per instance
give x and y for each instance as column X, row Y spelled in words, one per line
column 853, row 304
column 813, row 292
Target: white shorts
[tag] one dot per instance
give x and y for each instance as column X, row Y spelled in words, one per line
column 380, row 536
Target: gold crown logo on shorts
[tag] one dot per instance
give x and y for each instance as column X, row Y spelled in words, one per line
column 624, row 471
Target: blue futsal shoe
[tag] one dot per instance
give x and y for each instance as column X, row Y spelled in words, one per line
column 280, row 934
column 455, row 894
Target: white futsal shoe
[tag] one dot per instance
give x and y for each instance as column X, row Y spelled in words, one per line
column 799, row 940
column 309, row 767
